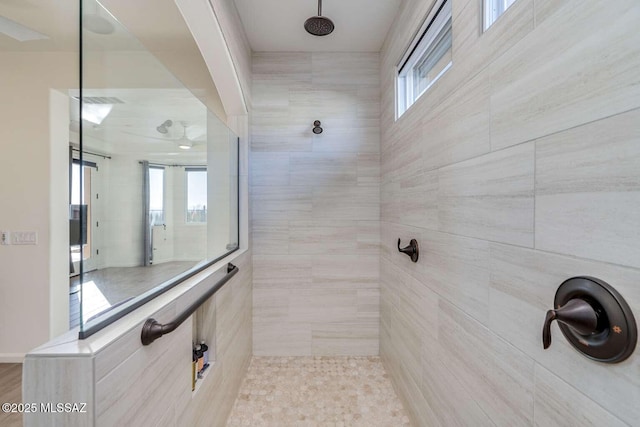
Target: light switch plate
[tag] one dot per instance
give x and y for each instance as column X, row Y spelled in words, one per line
column 24, row 238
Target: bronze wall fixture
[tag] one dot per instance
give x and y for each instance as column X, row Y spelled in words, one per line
column 319, row 25
column 152, row 329
column 594, row 318
column 413, row 251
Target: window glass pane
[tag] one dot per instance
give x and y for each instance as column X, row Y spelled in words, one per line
column 196, row 196
column 75, row 184
column 433, row 62
column 156, row 195
column 493, row 9
column 429, row 57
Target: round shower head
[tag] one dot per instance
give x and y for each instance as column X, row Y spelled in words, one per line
column 319, row 25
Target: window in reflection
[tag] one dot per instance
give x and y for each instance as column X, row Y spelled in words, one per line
column 156, row 196
column 196, row 195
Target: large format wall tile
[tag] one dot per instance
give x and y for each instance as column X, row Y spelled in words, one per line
column 270, row 237
column 499, row 376
column 558, row 404
column 452, row 402
column 316, row 203
column 281, row 202
column 268, row 168
column 279, row 271
column 473, row 49
column 324, row 169
column 588, row 190
column 516, row 170
column 538, row 90
column 457, row 268
column 280, row 338
column 412, row 200
column 286, row 67
column 358, row 338
column 320, row 237
column 458, row 129
column 490, row 197
column 523, row 285
column 346, row 203
column 352, row 68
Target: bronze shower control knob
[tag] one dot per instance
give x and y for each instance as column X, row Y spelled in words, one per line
column 594, row 318
column 577, row 314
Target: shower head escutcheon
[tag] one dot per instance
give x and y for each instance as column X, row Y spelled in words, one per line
column 319, row 25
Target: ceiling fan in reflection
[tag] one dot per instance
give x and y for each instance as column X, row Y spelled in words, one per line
column 183, row 142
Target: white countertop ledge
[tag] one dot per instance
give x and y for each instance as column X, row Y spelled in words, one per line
column 68, row 344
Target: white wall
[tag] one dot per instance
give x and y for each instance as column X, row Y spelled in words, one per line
column 190, row 240
column 29, row 314
column 59, row 213
column 515, row 171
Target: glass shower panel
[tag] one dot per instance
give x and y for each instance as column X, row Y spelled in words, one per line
column 145, row 131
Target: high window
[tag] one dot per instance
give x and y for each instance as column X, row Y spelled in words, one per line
column 427, row 58
column 493, row 9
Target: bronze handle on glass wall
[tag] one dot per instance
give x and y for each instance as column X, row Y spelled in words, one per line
column 152, row 329
column 413, row 251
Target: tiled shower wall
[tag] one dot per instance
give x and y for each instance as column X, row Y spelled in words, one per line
column 316, row 203
column 517, row 170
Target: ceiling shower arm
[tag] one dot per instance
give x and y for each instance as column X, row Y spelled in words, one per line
column 319, row 7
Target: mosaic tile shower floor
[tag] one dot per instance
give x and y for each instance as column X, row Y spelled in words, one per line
column 317, row 391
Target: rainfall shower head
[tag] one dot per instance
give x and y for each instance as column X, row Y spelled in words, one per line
column 319, row 25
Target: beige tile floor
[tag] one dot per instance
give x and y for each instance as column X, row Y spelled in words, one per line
column 317, row 391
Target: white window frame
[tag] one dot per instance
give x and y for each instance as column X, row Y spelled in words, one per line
column 438, row 17
column 493, row 9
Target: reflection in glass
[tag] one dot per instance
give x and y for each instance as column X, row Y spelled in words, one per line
column 196, row 195
column 156, row 196
column 161, row 195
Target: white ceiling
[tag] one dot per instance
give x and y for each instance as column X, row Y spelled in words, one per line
column 130, row 128
column 277, row 25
